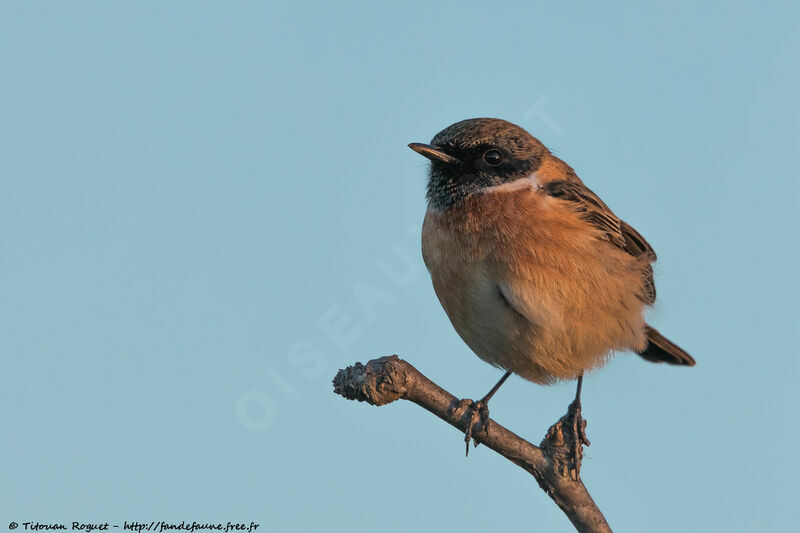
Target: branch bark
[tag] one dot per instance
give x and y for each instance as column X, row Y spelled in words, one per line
column 384, row 380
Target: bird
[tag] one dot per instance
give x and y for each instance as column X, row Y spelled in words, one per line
column 536, row 273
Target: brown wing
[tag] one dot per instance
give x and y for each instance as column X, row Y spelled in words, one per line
column 616, row 231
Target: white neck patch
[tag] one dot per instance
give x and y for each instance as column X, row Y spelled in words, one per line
column 531, row 181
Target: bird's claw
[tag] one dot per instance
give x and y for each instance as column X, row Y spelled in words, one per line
column 478, row 419
column 578, row 427
column 565, row 440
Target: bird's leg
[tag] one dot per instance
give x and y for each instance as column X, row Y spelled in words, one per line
column 578, row 426
column 480, row 411
column 566, row 438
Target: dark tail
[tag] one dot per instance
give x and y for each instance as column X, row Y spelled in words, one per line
column 660, row 350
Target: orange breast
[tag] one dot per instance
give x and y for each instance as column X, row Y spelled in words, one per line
column 530, row 286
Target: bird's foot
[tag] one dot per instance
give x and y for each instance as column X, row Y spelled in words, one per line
column 579, row 438
column 565, row 440
column 478, row 419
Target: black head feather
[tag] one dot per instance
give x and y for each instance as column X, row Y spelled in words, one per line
column 488, row 152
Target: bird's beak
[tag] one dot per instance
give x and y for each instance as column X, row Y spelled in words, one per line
column 433, row 152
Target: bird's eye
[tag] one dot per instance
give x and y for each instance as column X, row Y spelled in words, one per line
column 493, row 157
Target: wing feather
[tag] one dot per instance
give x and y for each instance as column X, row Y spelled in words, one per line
column 616, row 231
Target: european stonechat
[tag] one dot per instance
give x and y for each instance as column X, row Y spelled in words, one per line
column 536, row 273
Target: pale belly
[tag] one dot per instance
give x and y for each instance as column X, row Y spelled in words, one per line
column 483, row 317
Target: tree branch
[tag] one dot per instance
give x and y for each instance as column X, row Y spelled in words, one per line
column 387, row 379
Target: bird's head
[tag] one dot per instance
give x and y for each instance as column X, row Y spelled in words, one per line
column 477, row 153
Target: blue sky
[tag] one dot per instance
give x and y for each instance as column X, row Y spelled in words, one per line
column 193, row 192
